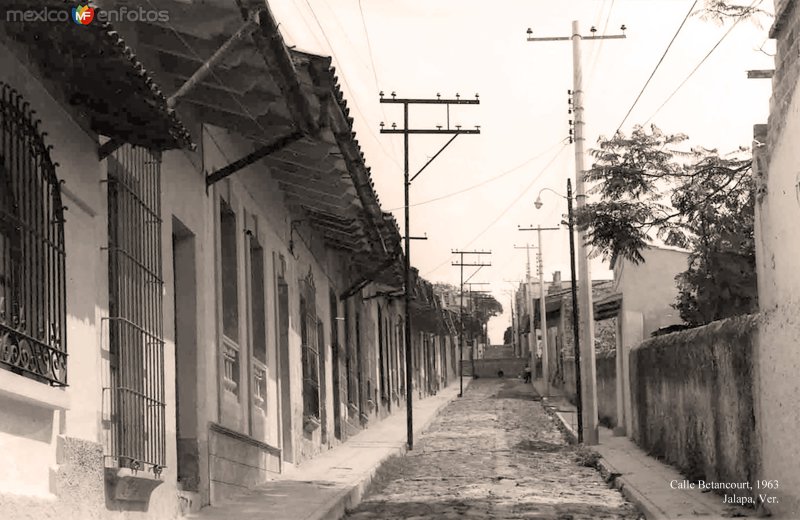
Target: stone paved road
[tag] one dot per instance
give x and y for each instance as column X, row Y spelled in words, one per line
column 493, row 454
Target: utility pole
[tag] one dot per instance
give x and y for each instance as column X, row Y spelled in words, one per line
column 406, row 131
column 473, row 295
column 589, row 382
column 543, row 308
column 529, row 306
column 515, row 316
column 462, row 265
column 575, row 314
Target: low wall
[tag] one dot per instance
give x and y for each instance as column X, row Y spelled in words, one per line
column 511, row 367
column 692, row 400
column 606, row 369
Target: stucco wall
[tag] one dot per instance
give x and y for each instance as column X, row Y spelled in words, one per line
column 648, row 291
column 56, row 459
column 777, row 253
column 692, row 397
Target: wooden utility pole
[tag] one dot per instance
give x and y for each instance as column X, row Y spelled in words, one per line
column 462, row 265
column 406, row 131
column 589, row 383
column 543, row 308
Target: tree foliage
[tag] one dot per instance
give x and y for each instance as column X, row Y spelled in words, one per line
column 652, row 187
column 720, row 11
column 508, row 336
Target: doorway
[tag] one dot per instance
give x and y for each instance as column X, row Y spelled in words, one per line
column 185, row 314
column 287, row 445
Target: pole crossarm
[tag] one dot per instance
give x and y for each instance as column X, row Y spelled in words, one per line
column 433, row 131
column 539, row 229
column 439, row 101
column 456, row 264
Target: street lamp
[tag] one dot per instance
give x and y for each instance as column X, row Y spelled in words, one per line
column 575, row 319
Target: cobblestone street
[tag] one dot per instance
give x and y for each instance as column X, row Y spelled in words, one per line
column 495, row 453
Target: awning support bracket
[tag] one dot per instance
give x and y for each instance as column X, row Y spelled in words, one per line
column 109, row 147
column 268, row 149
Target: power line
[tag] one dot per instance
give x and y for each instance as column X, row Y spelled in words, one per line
column 732, row 27
column 688, row 13
column 369, row 47
column 485, row 182
column 347, row 84
column 372, row 61
column 596, row 56
column 506, row 210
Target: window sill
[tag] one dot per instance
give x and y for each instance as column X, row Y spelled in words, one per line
column 128, row 485
column 310, row 423
column 27, row 390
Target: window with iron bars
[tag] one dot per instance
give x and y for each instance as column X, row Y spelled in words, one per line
column 310, row 353
column 32, row 282
column 135, row 310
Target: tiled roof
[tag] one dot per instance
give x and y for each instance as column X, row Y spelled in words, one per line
column 98, row 73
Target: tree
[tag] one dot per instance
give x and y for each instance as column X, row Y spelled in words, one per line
column 652, row 187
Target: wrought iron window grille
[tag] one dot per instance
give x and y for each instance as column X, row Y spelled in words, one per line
column 310, row 352
column 32, row 255
column 137, row 394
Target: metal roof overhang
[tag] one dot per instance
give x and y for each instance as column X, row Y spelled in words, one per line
column 91, row 68
column 607, row 307
column 230, row 68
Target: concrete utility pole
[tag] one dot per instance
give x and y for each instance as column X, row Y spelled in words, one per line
column 461, row 264
column 543, row 309
column 589, row 382
column 406, row 131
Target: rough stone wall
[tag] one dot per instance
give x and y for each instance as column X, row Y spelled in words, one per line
column 692, row 400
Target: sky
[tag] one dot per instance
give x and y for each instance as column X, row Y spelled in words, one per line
column 482, row 187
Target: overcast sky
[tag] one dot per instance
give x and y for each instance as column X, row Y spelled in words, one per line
column 421, row 48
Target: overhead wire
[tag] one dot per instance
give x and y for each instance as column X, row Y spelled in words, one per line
column 372, row 61
column 697, row 67
column 661, row 60
column 484, row 182
column 508, row 207
column 596, row 54
column 349, row 88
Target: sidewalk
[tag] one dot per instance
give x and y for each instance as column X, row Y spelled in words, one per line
column 325, row 486
column 643, row 479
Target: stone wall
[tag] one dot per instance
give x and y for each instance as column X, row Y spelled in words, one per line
column 692, row 400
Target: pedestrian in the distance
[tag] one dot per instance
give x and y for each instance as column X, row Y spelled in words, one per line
column 527, row 372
